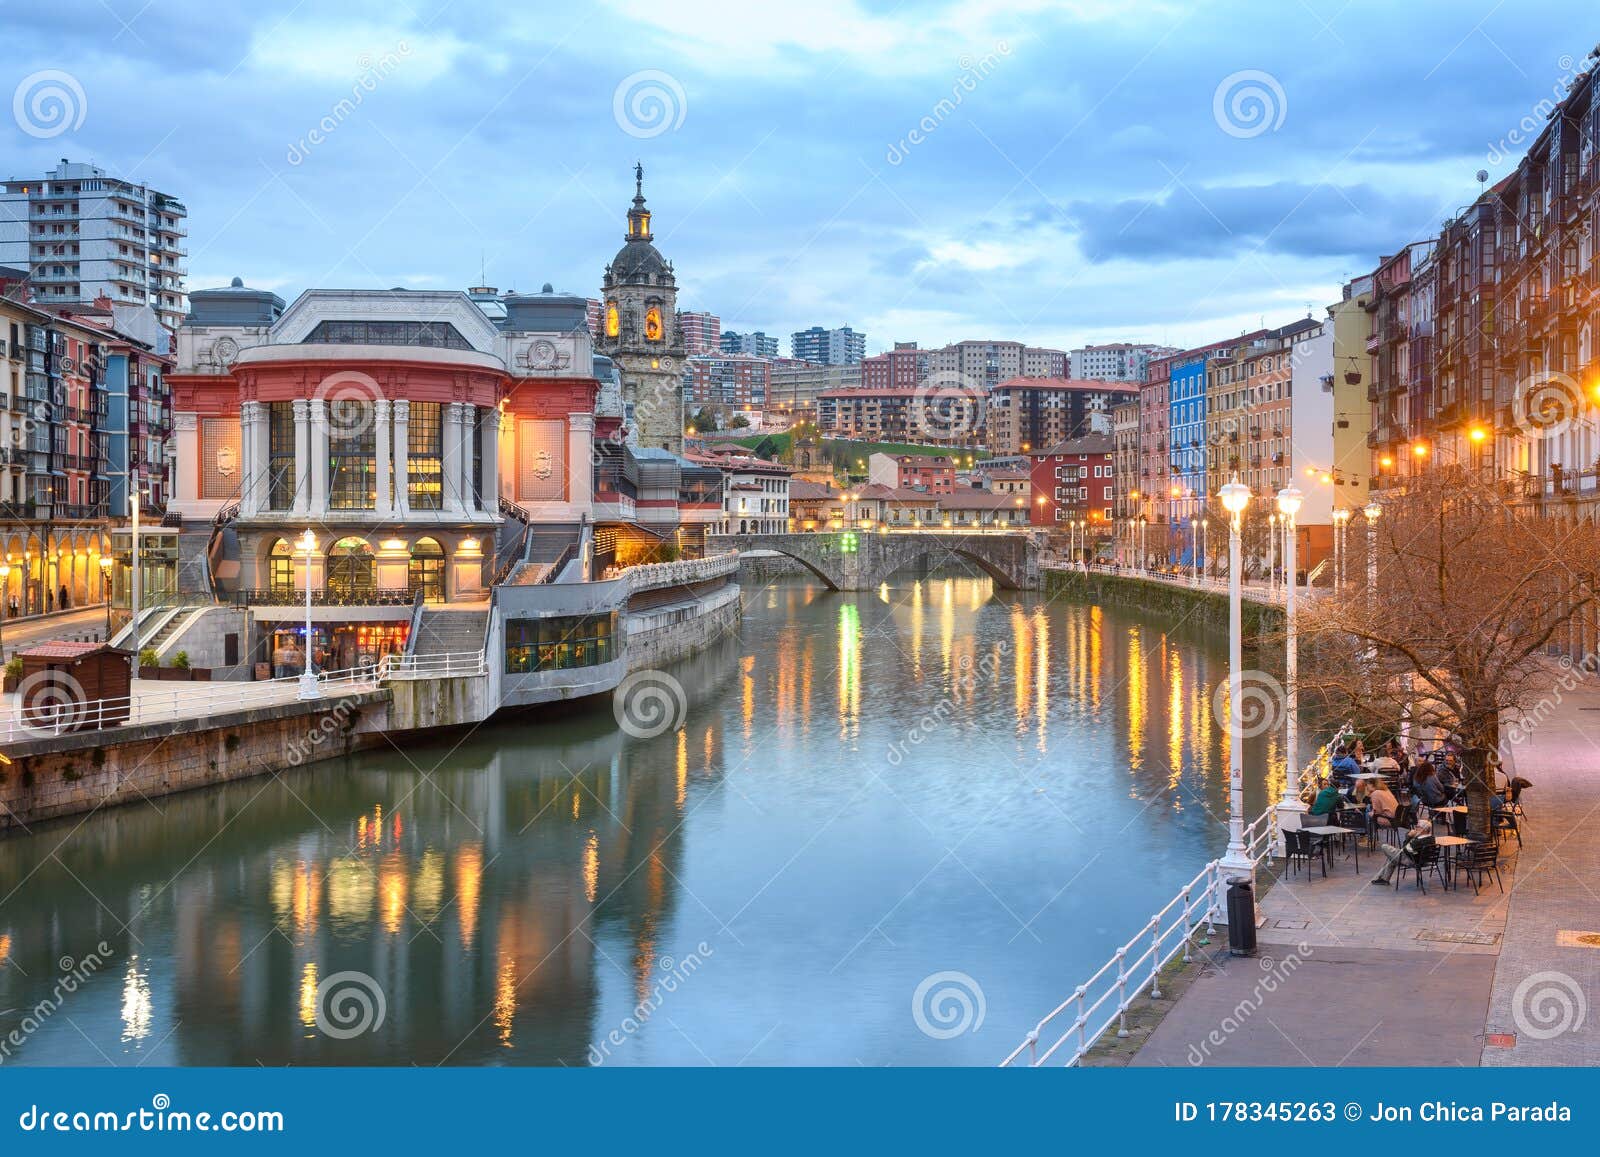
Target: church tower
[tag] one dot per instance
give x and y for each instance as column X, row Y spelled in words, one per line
column 639, row 332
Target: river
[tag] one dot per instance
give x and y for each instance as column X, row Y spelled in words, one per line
column 937, row 785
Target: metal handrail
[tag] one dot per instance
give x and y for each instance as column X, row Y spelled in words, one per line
column 454, row 664
column 62, row 716
column 1137, row 965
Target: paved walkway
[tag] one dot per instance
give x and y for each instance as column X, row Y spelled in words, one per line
column 1351, row 974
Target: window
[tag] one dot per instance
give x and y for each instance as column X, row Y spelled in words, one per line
column 559, row 644
column 351, row 568
column 280, row 456
column 425, row 457
column 426, row 569
column 280, row 568
column 404, row 333
column 352, row 446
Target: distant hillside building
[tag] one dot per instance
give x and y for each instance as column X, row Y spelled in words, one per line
column 756, row 343
column 829, row 347
column 1117, row 362
column 702, row 332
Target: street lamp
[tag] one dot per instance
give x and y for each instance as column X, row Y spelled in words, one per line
column 1289, row 502
column 1372, row 511
column 1272, row 550
column 5, row 587
column 105, row 590
column 1235, row 497
column 1340, row 518
column 1144, row 559
column 1205, row 547
column 309, row 688
column 1194, row 552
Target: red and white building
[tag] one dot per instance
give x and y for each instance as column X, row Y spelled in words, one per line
column 929, row 473
column 1074, row 480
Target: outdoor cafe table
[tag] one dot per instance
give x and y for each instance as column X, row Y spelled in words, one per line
column 1325, row 834
column 1447, row 846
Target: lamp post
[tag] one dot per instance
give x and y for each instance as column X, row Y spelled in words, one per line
column 5, row 589
column 1194, row 552
column 1289, row 502
column 105, row 590
column 1272, row 551
column 1144, row 557
column 1340, row 517
column 1372, row 511
column 309, row 688
column 135, row 584
column 1083, row 542
column 1205, row 547
column 1236, row 860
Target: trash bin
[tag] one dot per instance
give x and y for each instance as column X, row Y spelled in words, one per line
column 1241, row 918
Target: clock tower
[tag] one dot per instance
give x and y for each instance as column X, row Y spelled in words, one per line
column 639, row 332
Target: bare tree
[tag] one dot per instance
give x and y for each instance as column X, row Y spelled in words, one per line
column 1470, row 591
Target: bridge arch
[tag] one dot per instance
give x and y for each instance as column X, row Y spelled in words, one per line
column 861, row 560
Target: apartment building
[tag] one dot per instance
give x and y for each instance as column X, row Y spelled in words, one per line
column 829, row 347
column 1027, row 413
column 1117, row 361
column 84, row 234
column 702, row 332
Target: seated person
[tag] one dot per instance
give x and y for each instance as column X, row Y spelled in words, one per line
column 1452, row 775
column 1427, row 788
column 1323, row 807
column 1344, row 768
column 1383, row 804
column 1386, row 763
column 1418, row 840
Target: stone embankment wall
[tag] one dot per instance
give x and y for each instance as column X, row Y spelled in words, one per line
column 1202, row 607
column 659, row 637
column 62, row 775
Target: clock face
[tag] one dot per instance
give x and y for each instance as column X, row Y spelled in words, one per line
column 652, row 324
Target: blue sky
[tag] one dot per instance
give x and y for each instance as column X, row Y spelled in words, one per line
column 1049, row 172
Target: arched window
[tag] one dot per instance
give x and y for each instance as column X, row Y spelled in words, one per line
column 351, row 567
column 426, row 569
column 280, row 568
column 652, row 323
column 613, row 323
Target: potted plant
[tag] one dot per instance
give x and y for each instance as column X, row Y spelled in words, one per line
column 149, row 664
column 179, row 671
column 13, row 674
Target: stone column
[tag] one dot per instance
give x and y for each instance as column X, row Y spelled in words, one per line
column 247, row 465
column 384, row 439
column 469, row 422
column 580, row 461
column 491, row 460
column 302, row 456
column 402, row 458
column 318, row 504
column 451, row 429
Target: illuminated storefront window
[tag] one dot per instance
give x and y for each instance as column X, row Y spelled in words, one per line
column 559, row 644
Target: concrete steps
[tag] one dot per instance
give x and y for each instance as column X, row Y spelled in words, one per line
column 442, row 632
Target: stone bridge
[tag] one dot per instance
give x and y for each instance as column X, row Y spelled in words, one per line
column 860, row 560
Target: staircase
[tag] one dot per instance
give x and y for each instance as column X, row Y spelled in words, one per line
column 548, row 548
column 441, row 632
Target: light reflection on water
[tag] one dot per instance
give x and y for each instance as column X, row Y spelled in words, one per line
column 1059, row 773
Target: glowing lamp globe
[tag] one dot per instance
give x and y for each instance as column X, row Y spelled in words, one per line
column 1235, row 497
column 1290, row 500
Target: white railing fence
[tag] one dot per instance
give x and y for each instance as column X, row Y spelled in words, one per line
column 1072, row 1027
column 54, row 710
column 460, row 663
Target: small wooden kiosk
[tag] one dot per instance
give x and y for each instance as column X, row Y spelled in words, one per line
column 75, row 686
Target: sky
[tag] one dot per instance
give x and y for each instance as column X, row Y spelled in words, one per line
column 1050, row 172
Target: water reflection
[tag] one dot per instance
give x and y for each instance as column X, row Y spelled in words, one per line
column 1062, row 770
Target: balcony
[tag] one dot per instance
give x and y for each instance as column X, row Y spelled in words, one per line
column 296, row 597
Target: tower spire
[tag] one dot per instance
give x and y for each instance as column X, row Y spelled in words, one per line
column 638, row 216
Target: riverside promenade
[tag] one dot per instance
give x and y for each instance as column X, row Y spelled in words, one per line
column 1352, row 974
